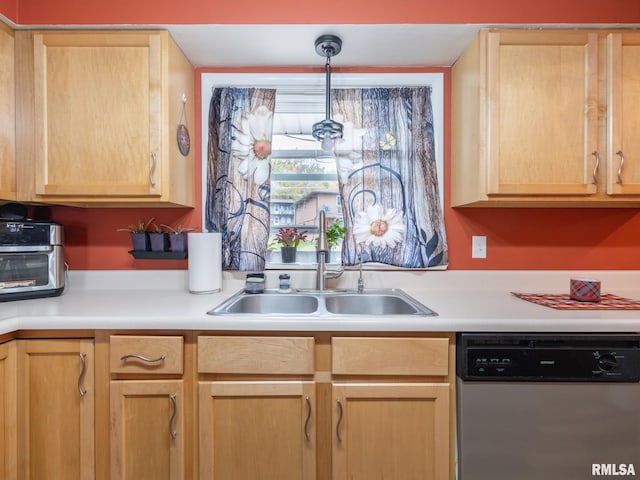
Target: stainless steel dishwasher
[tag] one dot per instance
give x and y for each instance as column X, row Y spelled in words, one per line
column 547, row 406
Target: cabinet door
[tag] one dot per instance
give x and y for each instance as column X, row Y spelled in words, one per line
column 56, row 409
column 393, row 430
column 8, row 412
column 98, row 114
column 623, row 88
column 147, row 434
column 7, row 115
column 257, row 430
column 542, row 103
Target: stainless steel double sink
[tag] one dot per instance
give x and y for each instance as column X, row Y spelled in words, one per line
column 320, row 303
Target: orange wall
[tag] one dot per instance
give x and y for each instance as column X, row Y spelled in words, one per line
column 572, row 239
column 326, row 12
column 8, row 8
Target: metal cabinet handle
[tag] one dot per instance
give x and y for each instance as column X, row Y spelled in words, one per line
column 307, row 420
column 174, row 412
column 143, row 358
column 619, row 152
column 152, row 170
column 83, row 370
column 595, row 168
column 340, row 415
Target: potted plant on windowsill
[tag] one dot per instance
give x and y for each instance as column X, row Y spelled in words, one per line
column 288, row 239
column 178, row 238
column 335, row 233
column 139, row 234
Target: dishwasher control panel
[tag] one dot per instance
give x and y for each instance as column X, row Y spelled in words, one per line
column 548, row 357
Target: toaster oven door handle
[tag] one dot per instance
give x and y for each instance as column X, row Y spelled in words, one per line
column 25, row 248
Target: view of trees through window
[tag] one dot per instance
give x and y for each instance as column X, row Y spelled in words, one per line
column 303, row 182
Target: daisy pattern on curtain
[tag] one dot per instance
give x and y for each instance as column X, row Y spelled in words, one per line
column 238, row 169
column 388, row 181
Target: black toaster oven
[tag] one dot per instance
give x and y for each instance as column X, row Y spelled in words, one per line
column 31, row 260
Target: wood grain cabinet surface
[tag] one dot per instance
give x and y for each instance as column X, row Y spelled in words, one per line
column 55, row 381
column 623, row 121
column 257, row 408
column 99, row 117
column 8, row 183
column 227, row 406
column 147, row 407
column 391, row 408
column 8, row 412
column 538, row 119
column 330, row 408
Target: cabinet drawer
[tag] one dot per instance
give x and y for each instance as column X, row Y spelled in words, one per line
column 146, row 354
column 390, row 356
column 259, row 355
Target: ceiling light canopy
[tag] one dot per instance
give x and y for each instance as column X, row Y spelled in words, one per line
column 328, row 130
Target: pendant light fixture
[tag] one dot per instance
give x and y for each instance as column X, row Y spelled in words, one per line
column 327, row 130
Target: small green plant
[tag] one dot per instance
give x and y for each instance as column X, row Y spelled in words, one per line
column 139, row 227
column 155, row 228
column 290, row 237
column 177, row 229
column 335, row 233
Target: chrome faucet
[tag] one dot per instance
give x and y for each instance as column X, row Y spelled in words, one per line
column 322, row 249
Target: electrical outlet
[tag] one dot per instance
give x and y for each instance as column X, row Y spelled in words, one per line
column 478, row 246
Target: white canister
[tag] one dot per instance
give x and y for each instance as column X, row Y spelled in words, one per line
column 205, row 262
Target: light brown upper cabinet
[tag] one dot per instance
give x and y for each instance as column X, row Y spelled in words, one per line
column 100, row 114
column 623, row 121
column 535, row 119
column 7, row 115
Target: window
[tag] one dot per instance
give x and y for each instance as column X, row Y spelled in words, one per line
column 303, row 177
column 301, row 174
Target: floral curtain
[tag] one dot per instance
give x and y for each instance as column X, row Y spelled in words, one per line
column 238, row 168
column 388, row 180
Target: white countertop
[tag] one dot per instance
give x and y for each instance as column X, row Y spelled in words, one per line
column 464, row 301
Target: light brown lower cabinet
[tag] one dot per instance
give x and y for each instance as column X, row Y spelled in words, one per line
column 55, row 409
column 8, row 414
column 200, row 406
column 391, row 430
column 257, row 408
column 391, row 408
column 147, row 407
column 147, row 434
column 306, row 408
column 258, row 430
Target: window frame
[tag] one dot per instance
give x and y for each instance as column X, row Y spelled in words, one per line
column 315, row 82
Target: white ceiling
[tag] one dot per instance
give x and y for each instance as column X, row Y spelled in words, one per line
column 294, row 45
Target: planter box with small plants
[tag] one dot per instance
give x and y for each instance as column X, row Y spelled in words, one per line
column 149, row 238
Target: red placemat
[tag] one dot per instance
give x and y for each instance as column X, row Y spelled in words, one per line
column 564, row 302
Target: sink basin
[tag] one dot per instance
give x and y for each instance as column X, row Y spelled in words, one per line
column 268, row 303
column 374, row 304
column 324, row 303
